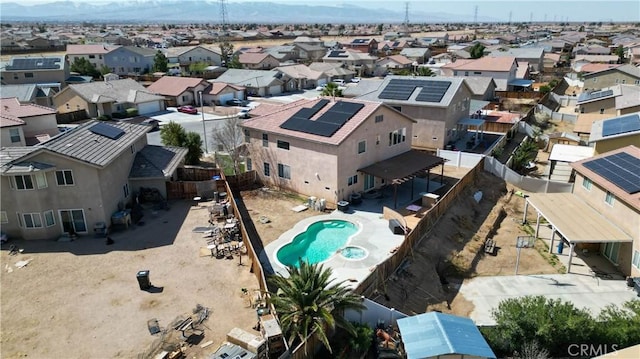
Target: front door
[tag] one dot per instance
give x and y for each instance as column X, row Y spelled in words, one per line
column 72, row 221
column 369, row 182
column 611, row 251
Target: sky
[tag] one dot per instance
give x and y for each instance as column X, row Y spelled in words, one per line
column 518, row 10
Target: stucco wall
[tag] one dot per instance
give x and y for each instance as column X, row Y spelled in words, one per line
column 608, row 79
column 603, row 146
column 5, row 137
column 40, row 124
column 609, row 106
column 72, row 99
column 39, row 76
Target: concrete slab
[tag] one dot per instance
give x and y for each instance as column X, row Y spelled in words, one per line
column 591, row 293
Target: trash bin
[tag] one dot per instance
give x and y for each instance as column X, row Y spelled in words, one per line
column 143, row 279
column 560, row 247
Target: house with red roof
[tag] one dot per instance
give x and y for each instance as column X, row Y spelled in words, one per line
column 338, row 136
column 25, row 124
column 220, row 92
column 179, row 91
column 502, row 69
column 258, row 61
column 94, row 53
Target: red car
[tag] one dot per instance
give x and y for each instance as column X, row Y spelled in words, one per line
column 188, row 109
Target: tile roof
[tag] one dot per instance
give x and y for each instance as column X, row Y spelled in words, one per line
column 252, row 57
column 300, row 71
column 24, row 92
column 454, row 87
column 479, row 84
column 83, row 145
column 629, row 97
column 114, row 91
column 156, row 162
column 523, row 52
column 585, row 121
column 488, row 63
column 11, row 107
column 249, row 78
column 174, row 85
column 271, row 123
column 597, row 67
column 217, row 87
column 626, row 68
column 12, row 154
column 402, row 60
column 89, row 49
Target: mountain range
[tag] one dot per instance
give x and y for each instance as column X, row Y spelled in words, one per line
column 156, row 11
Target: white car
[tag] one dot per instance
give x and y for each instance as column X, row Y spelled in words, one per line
column 339, row 82
column 355, row 80
column 321, row 87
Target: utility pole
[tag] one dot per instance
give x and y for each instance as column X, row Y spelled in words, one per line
column 406, row 18
column 204, row 128
column 475, row 15
column 510, row 15
column 223, row 15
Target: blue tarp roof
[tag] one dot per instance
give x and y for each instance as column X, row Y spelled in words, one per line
column 520, row 82
column 432, row 334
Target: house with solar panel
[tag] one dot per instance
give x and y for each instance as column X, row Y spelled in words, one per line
column 615, row 101
column 616, row 132
column 602, row 214
column 317, row 147
column 437, row 104
column 625, row 74
column 367, row 46
column 503, row 70
column 362, row 63
column 78, row 180
column 19, row 70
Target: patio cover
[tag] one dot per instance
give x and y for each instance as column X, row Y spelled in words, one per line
column 403, row 167
column 471, row 122
column 520, row 83
column 575, row 220
column 475, row 105
column 570, row 153
column 433, row 334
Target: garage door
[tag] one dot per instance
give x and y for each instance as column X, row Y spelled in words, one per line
column 224, row 98
column 275, row 90
column 149, row 107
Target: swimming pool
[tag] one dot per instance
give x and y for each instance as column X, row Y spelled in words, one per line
column 354, row 253
column 318, row 243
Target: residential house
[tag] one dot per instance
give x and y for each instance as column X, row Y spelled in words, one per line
column 585, row 121
column 105, row 98
column 362, row 64
column 609, row 185
column 303, row 77
column 284, row 142
column 309, row 52
column 367, row 46
column 178, row 91
column 551, row 60
column 256, row 82
column 284, row 53
column 26, row 124
column 78, row 180
column 37, row 94
column 437, row 104
column 219, row 93
column 615, row 100
column 308, row 41
column 590, row 50
column 634, row 55
column 94, row 53
column 391, row 47
column 40, row 43
column 393, row 63
column 130, row 60
column 534, row 56
column 35, row 70
column 258, row 61
column 588, row 68
column 419, row 55
column 332, row 70
column 185, row 56
column 624, row 74
column 615, row 132
column 501, row 69
column 482, row 88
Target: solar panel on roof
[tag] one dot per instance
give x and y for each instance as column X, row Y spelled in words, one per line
column 338, row 53
column 623, row 124
column 621, row 169
column 44, row 63
column 106, row 130
column 327, row 124
column 401, row 89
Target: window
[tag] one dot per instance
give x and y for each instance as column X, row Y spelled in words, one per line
column 377, row 139
column 397, row 136
column 41, row 180
column 64, row 178
column 15, row 135
column 3, row 217
column 133, row 148
column 595, row 79
column 636, row 259
column 624, row 81
column 284, row 171
column 617, row 80
column 477, row 72
column 72, row 220
column 92, row 56
column 265, row 140
column 352, row 180
column 379, row 118
column 466, row 73
column 249, row 165
column 32, row 220
column 23, row 182
column 397, row 108
column 455, row 73
column 601, row 111
column 48, row 218
column 637, row 82
column 28, row 75
column 362, row 147
column 267, row 170
column 247, row 137
column 283, row 144
column 125, row 190
column 609, row 198
column 586, row 183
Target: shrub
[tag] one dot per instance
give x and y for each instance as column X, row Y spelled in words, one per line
column 119, row 115
column 131, row 112
column 104, row 118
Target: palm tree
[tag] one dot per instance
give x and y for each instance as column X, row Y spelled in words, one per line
column 331, row 90
column 309, row 303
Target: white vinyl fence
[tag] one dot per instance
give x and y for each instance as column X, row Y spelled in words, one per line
column 528, row 184
column 459, row 158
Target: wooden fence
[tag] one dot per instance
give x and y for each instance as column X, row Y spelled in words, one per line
column 519, row 94
column 243, row 181
column 197, row 173
column 70, row 117
column 385, row 269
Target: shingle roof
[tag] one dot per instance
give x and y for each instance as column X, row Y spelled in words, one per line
column 114, row 91
column 252, row 57
column 478, row 84
column 156, row 161
column 217, row 87
column 82, row 144
column 144, row 51
column 173, row 85
column 523, row 52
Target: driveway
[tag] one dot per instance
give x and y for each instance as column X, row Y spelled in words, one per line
column 583, row 291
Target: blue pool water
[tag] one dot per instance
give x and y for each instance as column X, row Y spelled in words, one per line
column 319, row 242
column 353, row 252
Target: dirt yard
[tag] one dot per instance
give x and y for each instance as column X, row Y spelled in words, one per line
column 81, row 299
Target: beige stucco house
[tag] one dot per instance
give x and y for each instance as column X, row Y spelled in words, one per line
column 502, row 69
column 94, row 53
column 615, row 132
column 35, row 70
column 179, row 91
column 25, row 124
column 316, row 147
column 626, row 75
column 80, row 178
column 615, row 100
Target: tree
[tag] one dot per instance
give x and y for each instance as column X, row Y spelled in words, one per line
column 193, row 143
column 234, row 63
column 623, row 324
column 160, row 62
column 173, row 134
column 544, row 89
column 226, row 52
column 310, row 304
column 425, row 71
column 104, row 69
column 84, row 67
column 620, row 53
column 197, row 68
column 477, row 51
column 361, row 340
column 332, row 90
column 229, row 136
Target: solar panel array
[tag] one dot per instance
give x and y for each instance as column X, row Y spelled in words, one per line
column 107, row 130
column 42, row 63
column 338, row 53
column 325, row 125
column 623, row 124
column 621, row 169
column 594, row 95
column 360, row 41
column 401, row 89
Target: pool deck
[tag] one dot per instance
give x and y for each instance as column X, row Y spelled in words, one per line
column 374, row 236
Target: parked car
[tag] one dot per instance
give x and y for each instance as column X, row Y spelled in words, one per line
column 339, row 82
column 244, row 113
column 235, row 102
column 153, row 123
column 355, row 80
column 321, row 87
column 188, row 109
